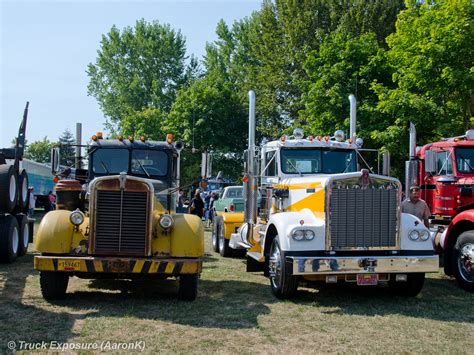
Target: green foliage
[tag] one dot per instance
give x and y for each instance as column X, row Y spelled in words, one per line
column 431, row 53
column 138, row 69
column 68, row 152
column 40, row 151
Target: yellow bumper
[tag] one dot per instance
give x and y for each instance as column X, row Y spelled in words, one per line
column 118, row 265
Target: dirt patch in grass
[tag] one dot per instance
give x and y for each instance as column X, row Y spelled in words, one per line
column 235, row 312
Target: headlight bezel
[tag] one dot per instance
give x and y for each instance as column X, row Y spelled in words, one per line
column 166, row 221
column 414, row 235
column 302, row 234
column 77, row 217
column 424, row 235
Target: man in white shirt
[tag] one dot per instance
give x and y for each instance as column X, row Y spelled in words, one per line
column 32, row 202
column 416, row 206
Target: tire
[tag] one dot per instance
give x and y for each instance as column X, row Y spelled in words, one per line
column 24, row 230
column 23, row 193
column 284, row 285
column 224, row 249
column 215, row 233
column 409, row 288
column 9, row 239
column 463, row 261
column 53, row 284
column 188, row 285
column 8, row 188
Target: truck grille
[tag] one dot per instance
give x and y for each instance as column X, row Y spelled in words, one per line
column 363, row 218
column 121, row 222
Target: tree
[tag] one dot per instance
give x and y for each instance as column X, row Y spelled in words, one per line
column 68, row 152
column 39, row 151
column 431, row 54
column 139, row 69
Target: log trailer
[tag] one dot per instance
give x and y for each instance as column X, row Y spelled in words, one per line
column 321, row 219
column 444, row 171
column 120, row 222
column 16, row 229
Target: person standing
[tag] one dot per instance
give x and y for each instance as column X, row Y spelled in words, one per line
column 416, row 206
column 31, row 202
column 52, row 200
column 197, row 205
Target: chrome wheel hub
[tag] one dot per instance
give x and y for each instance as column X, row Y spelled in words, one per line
column 275, row 266
column 466, row 262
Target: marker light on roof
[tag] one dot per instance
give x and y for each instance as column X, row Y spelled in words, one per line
column 283, row 138
column 470, row 135
column 99, row 135
column 319, row 138
column 298, row 133
column 130, row 138
column 339, row 135
column 311, row 139
column 169, row 138
column 142, row 138
column 326, row 139
column 94, row 138
column 120, row 138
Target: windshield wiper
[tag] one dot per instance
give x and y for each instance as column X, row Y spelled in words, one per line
column 144, row 170
column 103, row 164
column 469, row 165
column 348, row 163
column 294, row 167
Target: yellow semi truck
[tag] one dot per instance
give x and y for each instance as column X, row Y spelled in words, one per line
column 119, row 222
column 322, row 218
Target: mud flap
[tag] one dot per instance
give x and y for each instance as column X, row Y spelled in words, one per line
column 254, row 266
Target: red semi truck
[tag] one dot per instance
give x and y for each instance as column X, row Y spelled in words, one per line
column 445, row 172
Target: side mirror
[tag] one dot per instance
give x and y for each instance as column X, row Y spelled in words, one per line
column 430, row 162
column 55, row 159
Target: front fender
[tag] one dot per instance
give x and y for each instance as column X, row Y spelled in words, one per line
column 286, row 222
column 408, row 223
column 465, row 217
column 186, row 238
column 56, row 234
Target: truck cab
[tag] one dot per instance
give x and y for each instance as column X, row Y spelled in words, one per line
column 121, row 223
column 321, row 218
column 445, row 172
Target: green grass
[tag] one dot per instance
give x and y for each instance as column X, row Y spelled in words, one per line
column 235, row 312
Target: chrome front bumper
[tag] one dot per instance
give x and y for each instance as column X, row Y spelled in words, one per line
column 357, row 265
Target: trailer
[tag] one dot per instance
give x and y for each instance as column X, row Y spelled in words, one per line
column 16, row 229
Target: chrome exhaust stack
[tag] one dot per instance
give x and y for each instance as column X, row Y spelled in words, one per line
column 250, row 181
column 411, row 166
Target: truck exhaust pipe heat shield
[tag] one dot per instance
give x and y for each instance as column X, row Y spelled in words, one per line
column 411, row 166
column 353, row 117
column 250, row 183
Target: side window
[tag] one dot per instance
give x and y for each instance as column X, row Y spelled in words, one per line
column 271, row 162
column 444, row 164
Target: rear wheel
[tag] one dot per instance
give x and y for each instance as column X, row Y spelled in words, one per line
column 23, row 195
column 9, row 239
column 216, row 227
column 53, row 284
column 409, row 288
column 8, row 188
column 224, row 249
column 463, row 261
column 188, row 285
column 24, row 230
column 284, row 284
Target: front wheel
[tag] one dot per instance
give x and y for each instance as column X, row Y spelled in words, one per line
column 284, row 284
column 409, row 288
column 463, row 261
column 188, row 285
column 53, row 284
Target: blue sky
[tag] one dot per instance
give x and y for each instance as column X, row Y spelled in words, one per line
column 45, row 47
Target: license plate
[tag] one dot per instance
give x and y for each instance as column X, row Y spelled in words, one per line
column 367, row 279
column 69, row 265
column 119, row 266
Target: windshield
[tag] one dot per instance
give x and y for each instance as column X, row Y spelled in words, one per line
column 110, row 161
column 318, row 161
column 234, row 192
column 141, row 162
column 465, row 160
column 149, row 162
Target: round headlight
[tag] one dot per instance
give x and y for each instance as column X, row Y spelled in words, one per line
column 166, row 221
column 414, row 235
column 298, row 235
column 308, row 235
column 76, row 217
column 424, row 235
